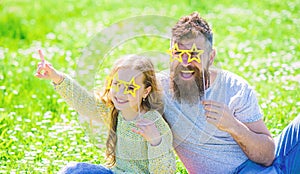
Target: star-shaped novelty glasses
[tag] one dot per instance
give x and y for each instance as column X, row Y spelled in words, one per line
column 130, row 87
column 193, row 54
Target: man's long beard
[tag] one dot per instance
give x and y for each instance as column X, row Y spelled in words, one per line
column 189, row 91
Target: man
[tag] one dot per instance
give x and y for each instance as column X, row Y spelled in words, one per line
column 214, row 114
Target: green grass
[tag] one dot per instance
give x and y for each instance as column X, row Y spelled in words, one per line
column 39, row 133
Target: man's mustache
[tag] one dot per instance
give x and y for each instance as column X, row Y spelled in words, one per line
column 185, row 68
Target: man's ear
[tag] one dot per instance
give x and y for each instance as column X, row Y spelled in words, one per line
column 147, row 91
column 212, row 56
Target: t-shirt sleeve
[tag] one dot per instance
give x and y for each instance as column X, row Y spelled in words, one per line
column 245, row 106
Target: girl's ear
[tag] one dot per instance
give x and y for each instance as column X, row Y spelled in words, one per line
column 147, row 91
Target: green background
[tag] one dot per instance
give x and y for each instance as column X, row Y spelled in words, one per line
column 39, row 133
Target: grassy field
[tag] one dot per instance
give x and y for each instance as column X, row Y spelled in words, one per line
column 39, row 133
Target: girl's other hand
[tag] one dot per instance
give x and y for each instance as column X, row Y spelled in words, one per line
column 148, row 130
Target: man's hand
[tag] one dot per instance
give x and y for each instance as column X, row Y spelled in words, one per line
column 254, row 138
column 219, row 115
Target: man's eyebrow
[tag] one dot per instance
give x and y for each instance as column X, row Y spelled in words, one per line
column 186, row 49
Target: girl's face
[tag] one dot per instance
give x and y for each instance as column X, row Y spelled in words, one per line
column 127, row 90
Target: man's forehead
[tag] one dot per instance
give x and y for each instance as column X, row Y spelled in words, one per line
column 188, row 43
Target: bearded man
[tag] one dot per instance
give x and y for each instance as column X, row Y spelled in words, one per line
column 214, row 114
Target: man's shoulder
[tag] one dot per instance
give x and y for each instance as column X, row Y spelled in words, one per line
column 163, row 75
column 163, row 78
column 230, row 82
column 232, row 78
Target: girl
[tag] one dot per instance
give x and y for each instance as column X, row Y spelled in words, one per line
column 139, row 140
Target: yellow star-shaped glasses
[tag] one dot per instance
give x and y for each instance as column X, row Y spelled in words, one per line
column 193, row 54
column 130, row 87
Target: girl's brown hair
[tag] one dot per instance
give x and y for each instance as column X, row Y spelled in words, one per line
column 152, row 101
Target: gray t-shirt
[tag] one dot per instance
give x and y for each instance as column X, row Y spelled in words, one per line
column 200, row 145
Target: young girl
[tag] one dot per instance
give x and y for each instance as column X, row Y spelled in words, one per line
column 139, row 140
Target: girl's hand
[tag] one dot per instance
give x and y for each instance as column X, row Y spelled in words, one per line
column 46, row 71
column 148, row 130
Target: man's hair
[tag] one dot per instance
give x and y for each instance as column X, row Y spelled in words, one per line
column 191, row 26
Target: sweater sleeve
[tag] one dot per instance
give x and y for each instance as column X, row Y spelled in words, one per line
column 161, row 157
column 90, row 108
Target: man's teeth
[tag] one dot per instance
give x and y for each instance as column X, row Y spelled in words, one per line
column 188, row 72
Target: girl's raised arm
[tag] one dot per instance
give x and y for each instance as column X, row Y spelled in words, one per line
column 85, row 103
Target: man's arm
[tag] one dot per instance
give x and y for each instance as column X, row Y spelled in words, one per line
column 253, row 138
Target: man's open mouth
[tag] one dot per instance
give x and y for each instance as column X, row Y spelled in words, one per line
column 187, row 74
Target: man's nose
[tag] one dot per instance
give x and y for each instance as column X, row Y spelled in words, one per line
column 185, row 58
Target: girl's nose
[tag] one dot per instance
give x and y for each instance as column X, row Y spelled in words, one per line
column 121, row 90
